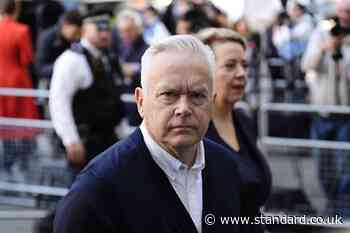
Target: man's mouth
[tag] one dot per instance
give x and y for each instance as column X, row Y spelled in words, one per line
column 182, row 127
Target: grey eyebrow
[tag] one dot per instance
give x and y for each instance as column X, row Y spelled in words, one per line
column 167, row 88
column 200, row 89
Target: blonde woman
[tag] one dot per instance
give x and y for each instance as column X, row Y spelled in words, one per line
column 231, row 127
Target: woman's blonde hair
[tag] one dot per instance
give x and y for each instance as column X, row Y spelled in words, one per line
column 210, row 36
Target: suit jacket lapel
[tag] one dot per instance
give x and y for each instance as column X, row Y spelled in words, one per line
column 208, row 204
column 220, row 197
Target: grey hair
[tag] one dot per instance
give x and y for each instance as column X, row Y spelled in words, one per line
column 128, row 14
column 177, row 43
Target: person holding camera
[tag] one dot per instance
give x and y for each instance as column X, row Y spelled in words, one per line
column 327, row 63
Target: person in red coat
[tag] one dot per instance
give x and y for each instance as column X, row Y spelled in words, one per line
column 16, row 55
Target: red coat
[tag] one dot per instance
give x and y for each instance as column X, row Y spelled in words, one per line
column 15, row 56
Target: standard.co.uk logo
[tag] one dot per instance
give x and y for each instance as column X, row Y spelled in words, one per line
column 211, row 219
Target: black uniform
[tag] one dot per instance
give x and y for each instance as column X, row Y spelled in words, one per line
column 98, row 109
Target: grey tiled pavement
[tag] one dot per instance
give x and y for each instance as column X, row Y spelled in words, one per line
column 17, row 219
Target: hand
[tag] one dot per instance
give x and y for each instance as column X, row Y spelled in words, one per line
column 76, row 153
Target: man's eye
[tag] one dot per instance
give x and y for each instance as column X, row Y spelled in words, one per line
column 168, row 94
column 198, row 98
column 198, row 95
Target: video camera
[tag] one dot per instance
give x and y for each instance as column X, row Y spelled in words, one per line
column 338, row 30
column 335, row 28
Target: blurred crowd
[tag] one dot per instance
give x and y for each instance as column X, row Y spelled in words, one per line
column 307, row 59
column 55, row 25
column 281, row 45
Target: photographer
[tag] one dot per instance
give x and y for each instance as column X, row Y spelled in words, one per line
column 327, row 63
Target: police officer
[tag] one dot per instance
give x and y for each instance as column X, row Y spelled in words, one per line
column 85, row 103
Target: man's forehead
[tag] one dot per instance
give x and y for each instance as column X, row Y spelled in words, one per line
column 175, row 62
column 172, row 68
column 178, row 53
column 184, row 84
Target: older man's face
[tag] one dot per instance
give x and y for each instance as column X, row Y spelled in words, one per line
column 128, row 31
column 343, row 12
column 176, row 106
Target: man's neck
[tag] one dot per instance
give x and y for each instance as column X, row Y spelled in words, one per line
column 185, row 155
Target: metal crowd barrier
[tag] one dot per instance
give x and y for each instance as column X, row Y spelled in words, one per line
column 266, row 140
column 288, row 150
column 13, row 123
column 33, row 189
column 24, row 92
column 8, row 122
column 40, row 93
column 22, row 214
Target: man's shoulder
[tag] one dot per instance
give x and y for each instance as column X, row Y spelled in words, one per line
column 98, row 183
column 70, row 57
column 117, row 161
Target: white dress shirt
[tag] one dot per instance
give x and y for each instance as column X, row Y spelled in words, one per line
column 71, row 72
column 187, row 182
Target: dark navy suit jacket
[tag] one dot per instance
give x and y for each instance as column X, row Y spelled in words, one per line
column 123, row 190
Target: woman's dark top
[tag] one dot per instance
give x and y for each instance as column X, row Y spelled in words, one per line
column 254, row 170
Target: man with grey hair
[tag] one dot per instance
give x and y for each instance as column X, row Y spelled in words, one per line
column 165, row 177
column 129, row 45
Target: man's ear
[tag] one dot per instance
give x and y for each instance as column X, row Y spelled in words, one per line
column 139, row 100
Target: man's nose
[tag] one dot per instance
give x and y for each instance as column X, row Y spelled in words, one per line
column 183, row 106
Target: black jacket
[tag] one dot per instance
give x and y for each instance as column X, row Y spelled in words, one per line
column 253, row 167
column 50, row 45
column 124, row 190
